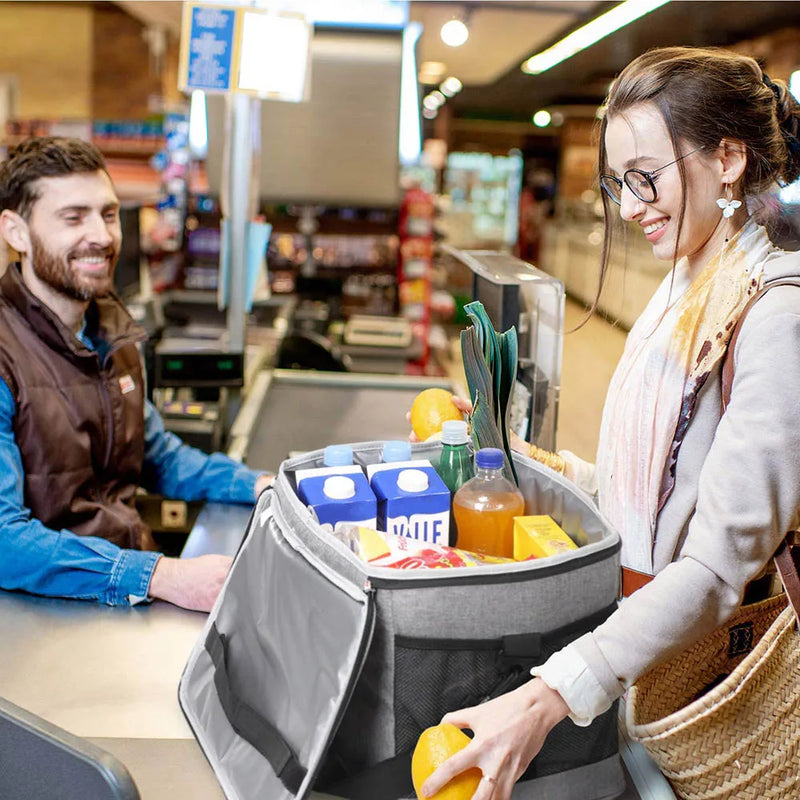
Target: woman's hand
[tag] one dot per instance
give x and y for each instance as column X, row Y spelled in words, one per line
column 509, row 731
column 461, row 403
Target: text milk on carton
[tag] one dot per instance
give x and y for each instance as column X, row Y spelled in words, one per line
column 338, row 494
column 413, row 501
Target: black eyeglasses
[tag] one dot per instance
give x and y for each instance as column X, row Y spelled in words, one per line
column 641, row 183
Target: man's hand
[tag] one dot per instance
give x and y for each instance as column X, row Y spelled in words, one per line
column 192, row 583
column 264, row 481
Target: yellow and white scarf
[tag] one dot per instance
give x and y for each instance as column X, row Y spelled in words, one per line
column 670, row 351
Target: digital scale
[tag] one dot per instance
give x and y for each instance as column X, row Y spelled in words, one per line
column 367, row 331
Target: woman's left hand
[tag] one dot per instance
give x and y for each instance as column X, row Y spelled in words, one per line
column 509, row 731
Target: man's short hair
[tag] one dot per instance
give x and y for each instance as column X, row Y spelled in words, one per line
column 43, row 157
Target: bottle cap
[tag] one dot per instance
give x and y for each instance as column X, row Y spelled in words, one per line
column 412, row 480
column 339, row 487
column 338, row 455
column 454, row 431
column 489, row 458
column 396, row 451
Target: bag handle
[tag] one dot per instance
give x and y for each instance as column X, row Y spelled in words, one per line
column 248, row 723
column 785, row 559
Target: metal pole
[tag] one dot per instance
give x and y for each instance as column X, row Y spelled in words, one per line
column 240, row 172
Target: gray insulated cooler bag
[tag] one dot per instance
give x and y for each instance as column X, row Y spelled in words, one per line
column 316, row 672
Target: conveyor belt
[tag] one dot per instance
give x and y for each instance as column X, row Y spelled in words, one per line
column 291, row 411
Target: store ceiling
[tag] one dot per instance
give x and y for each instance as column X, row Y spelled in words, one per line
column 584, row 78
column 504, row 34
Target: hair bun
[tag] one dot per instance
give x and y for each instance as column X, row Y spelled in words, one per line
column 787, row 113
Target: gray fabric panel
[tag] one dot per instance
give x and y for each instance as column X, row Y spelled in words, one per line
column 601, row 781
column 293, row 640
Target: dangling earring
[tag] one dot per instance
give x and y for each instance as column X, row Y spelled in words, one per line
column 727, row 203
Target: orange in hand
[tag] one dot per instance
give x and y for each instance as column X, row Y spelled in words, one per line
column 434, row 746
column 432, row 407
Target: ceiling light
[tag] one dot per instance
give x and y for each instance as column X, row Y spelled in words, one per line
column 794, row 84
column 451, row 86
column 433, row 100
column 454, row 33
column 431, row 72
column 541, row 119
column 430, row 113
column 592, row 32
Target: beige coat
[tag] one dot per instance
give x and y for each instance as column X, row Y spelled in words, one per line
column 737, row 491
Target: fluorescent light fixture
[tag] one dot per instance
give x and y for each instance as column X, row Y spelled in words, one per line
column 410, row 128
column 542, row 118
column 604, row 25
column 346, row 13
column 275, row 55
column 451, row 86
column 454, row 33
column 794, row 84
column 198, row 125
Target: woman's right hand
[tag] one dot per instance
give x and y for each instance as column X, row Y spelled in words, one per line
column 509, row 731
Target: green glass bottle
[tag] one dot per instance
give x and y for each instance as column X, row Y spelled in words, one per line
column 455, row 466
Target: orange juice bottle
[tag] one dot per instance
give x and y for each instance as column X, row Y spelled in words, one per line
column 485, row 506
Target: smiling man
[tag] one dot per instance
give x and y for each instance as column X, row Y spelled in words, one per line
column 77, row 437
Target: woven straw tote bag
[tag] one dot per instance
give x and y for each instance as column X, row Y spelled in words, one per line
column 722, row 718
column 740, row 739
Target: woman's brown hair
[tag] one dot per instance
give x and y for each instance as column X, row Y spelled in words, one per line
column 706, row 95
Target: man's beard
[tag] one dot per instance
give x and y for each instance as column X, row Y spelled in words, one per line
column 55, row 271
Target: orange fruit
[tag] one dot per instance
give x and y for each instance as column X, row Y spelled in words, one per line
column 431, row 407
column 434, row 746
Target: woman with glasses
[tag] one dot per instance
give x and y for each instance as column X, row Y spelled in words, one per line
column 689, row 139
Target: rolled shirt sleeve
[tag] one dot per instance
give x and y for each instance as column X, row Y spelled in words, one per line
column 58, row 563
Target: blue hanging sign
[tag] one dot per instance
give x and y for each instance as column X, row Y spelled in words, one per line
column 209, row 39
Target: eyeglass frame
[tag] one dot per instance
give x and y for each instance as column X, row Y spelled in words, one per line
column 647, row 175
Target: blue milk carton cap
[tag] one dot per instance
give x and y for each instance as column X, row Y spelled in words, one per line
column 489, row 458
column 396, row 450
column 337, row 455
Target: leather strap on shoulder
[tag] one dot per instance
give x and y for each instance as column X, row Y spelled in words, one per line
column 727, row 362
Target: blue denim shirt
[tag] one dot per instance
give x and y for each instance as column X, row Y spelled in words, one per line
column 40, row 560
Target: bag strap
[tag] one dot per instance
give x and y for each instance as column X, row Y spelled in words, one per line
column 249, row 723
column 786, row 561
column 727, row 362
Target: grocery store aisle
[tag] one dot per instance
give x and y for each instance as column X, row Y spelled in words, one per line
column 589, row 357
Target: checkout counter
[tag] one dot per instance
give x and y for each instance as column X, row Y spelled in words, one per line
column 110, row 675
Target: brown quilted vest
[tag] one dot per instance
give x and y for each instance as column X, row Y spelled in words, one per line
column 79, row 423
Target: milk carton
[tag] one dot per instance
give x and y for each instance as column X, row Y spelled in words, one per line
column 338, row 494
column 413, row 501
